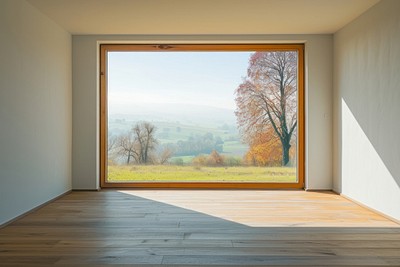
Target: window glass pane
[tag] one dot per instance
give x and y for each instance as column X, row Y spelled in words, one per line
column 202, row 116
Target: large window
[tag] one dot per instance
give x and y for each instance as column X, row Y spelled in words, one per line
column 205, row 116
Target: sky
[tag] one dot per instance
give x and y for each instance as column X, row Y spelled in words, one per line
column 194, row 78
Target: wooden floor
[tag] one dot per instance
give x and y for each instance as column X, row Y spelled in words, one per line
column 191, row 228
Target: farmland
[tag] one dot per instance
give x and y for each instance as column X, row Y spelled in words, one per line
column 187, row 137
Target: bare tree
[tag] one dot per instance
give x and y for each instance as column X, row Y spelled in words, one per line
column 165, row 155
column 267, row 98
column 112, row 143
column 128, row 147
column 112, row 148
column 144, row 136
column 138, row 143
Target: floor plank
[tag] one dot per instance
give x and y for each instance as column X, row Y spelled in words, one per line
column 204, row 227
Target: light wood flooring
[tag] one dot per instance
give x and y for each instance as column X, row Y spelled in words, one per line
column 205, row 227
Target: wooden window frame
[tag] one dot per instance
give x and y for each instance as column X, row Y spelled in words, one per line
column 105, row 48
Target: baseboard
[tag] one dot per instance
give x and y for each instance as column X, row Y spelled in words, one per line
column 34, row 209
column 86, row 190
column 369, row 208
column 320, row 190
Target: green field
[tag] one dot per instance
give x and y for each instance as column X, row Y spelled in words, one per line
column 172, row 173
column 185, row 159
column 171, row 132
column 235, row 148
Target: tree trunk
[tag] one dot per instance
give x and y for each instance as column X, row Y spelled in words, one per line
column 285, row 153
column 145, row 153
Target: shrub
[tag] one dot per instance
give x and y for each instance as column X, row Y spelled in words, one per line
column 199, row 160
column 233, row 161
column 178, row 161
column 215, row 159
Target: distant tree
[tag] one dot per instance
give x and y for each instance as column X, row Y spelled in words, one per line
column 138, row 143
column 112, row 145
column 267, row 98
column 199, row 144
column 144, row 136
column 165, row 155
column 112, row 142
column 128, row 147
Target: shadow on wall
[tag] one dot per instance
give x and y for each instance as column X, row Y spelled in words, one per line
column 367, row 58
column 370, row 144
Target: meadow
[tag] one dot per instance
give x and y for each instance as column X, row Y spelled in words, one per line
column 173, row 173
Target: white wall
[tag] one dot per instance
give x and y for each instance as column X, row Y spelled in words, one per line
column 35, row 109
column 319, row 65
column 85, row 165
column 367, row 109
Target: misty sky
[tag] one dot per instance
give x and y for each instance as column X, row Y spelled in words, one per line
column 200, row 78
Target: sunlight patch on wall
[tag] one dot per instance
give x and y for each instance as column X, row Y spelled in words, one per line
column 365, row 177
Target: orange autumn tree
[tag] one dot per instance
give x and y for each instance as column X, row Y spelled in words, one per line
column 266, row 105
column 265, row 150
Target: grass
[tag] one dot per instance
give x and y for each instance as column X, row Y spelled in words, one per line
column 172, row 173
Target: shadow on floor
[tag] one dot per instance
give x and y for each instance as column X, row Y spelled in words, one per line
column 111, row 227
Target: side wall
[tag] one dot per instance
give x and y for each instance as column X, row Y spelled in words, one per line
column 367, row 109
column 35, row 109
column 85, row 165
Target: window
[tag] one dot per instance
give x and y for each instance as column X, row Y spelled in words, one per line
column 202, row 116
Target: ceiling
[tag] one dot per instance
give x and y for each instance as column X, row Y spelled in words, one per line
column 202, row 16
